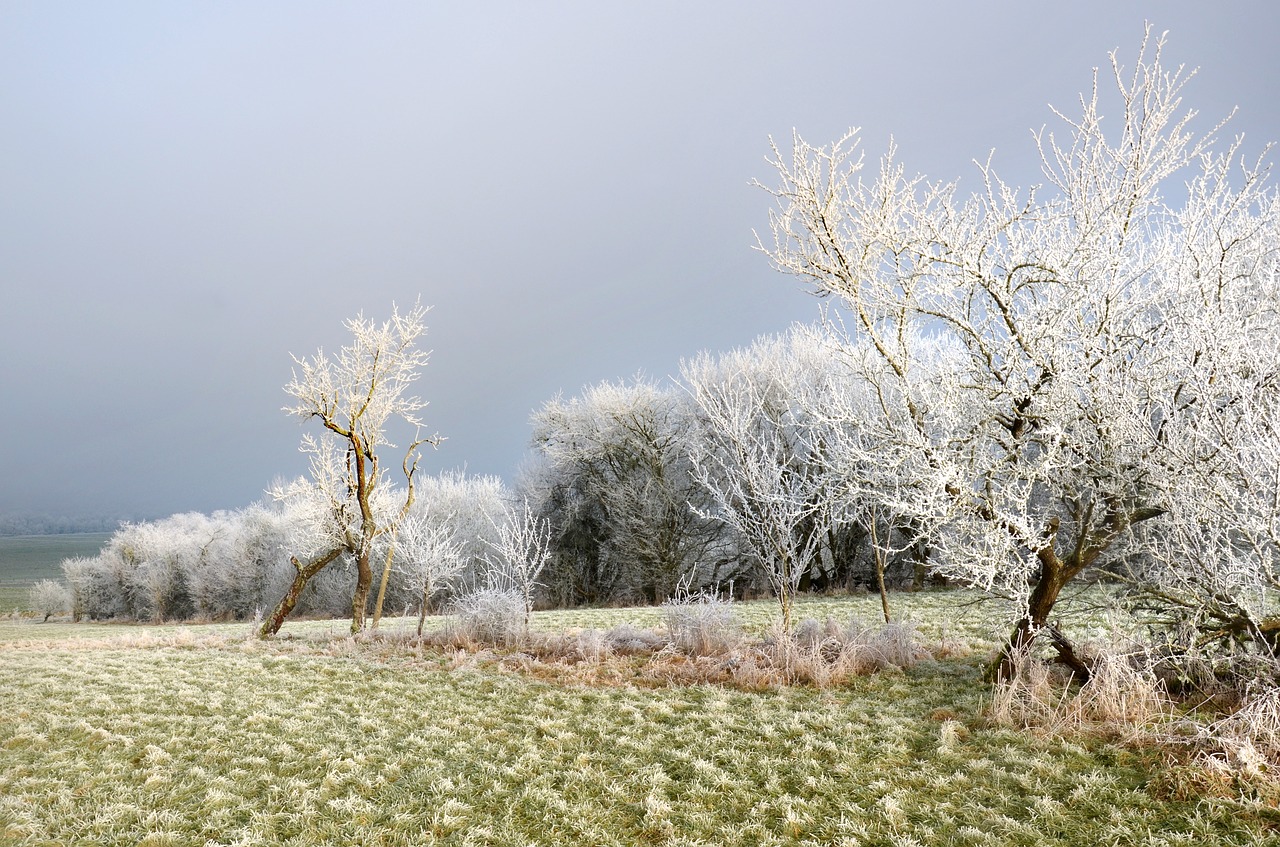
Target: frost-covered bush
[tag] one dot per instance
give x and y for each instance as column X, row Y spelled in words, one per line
column 702, row 624
column 97, row 592
column 224, row 565
column 491, row 616
column 239, row 566
column 49, row 598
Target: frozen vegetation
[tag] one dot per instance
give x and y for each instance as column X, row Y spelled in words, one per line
column 1061, row 402
column 205, row 734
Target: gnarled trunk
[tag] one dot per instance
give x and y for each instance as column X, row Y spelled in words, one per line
column 1055, row 573
column 1043, row 596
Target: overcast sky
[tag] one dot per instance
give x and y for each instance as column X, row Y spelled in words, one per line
column 190, row 192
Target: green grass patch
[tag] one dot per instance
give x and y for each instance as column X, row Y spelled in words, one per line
column 27, row 559
column 14, row 595
column 116, row 734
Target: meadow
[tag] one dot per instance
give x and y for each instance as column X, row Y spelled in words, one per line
column 26, row 559
column 176, row 735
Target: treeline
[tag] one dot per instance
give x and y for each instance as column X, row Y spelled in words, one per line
column 235, row 564
column 642, row 490
column 732, row 477
column 28, row 524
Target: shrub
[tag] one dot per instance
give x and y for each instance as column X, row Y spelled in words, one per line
column 96, row 587
column 702, row 624
column 489, row 616
column 49, row 598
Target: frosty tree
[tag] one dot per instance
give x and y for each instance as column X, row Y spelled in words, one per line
column 519, row 556
column 757, row 454
column 428, row 557
column 619, row 449
column 346, row 504
column 1079, row 335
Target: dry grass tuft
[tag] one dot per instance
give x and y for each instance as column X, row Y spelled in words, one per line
column 630, row 640
column 1123, row 698
column 821, row 655
column 711, row 650
column 1247, row 742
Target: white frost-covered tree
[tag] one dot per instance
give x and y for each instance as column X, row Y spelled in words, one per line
column 355, row 397
column 469, row 509
column 758, row 455
column 1090, row 329
column 48, row 598
column 428, row 557
column 519, row 556
column 616, row 479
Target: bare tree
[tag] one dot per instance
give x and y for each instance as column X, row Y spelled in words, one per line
column 428, row 556
column 749, row 456
column 355, row 397
column 522, row 551
column 1076, row 331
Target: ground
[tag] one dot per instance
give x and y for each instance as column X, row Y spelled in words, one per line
column 201, row 735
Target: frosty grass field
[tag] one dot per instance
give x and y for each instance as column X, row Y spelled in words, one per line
column 117, row 734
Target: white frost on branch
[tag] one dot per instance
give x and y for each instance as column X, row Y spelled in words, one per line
column 1093, row 332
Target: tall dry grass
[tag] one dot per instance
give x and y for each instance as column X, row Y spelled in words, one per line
column 1123, row 697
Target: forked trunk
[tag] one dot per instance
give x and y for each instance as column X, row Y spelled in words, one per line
column 1053, row 577
column 1055, row 573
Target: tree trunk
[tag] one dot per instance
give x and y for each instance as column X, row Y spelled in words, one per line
column 884, row 594
column 1053, row 577
column 919, row 565
column 382, row 586
column 302, row 574
column 878, row 554
column 426, row 598
column 360, row 599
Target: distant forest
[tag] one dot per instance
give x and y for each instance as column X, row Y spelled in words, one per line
column 58, row 524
